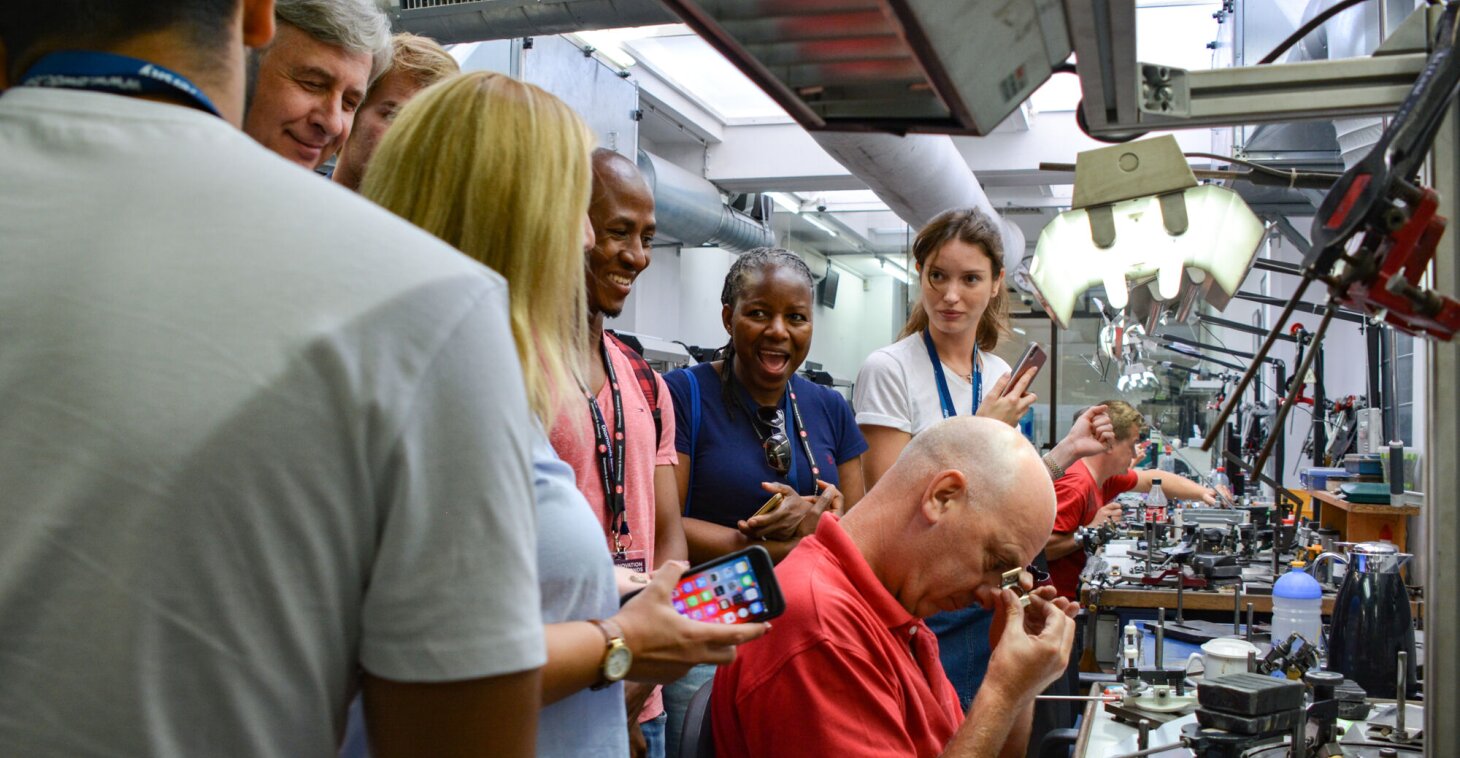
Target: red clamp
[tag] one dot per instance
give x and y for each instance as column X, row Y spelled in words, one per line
column 1394, row 291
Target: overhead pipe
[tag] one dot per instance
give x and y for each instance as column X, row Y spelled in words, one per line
column 919, row 176
column 688, row 208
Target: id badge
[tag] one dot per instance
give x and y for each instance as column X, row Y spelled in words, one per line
column 633, row 560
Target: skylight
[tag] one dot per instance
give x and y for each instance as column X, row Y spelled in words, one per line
column 696, row 69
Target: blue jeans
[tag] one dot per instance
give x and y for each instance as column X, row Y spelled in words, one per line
column 676, row 702
column 963, row 647
column 653, row 731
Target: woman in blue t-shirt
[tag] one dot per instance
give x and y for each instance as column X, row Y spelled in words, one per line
column 748, row 428
column 743, row 427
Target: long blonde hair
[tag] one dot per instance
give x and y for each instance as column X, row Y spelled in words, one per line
column 971, row 227
column 500, row 170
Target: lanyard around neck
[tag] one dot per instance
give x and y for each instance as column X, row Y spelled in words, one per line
column 117, row 74
column 610, row 454
column 788, row 402
column 945, row 399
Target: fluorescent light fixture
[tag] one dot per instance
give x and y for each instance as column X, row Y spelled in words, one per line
column 819, row 225
column 1206, row 232
column 787, row 203
column 894, row 269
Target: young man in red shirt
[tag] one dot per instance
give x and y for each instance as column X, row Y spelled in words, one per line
column 1086, row 494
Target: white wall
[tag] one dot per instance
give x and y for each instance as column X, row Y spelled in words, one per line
column 678, row 298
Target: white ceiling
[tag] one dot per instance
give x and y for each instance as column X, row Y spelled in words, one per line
column 718, row 96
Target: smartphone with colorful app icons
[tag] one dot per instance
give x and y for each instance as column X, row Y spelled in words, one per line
column 735, row 589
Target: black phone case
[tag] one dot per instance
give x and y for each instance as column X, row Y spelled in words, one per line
column 765, row 575
column 770, row 586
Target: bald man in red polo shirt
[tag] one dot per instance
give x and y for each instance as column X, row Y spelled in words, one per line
column 851, row 669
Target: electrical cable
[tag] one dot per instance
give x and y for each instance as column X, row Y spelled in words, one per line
column 1085, row 127
column 1070, row 68
column 1307, row 29
column 1291, row 177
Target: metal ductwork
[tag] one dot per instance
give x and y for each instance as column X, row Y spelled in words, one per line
column 689, row 209
column 944, row 66
column 918, row 177
column 449, row 21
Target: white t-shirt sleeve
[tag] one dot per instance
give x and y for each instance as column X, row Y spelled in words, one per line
column 453, row 589
column 880, row 395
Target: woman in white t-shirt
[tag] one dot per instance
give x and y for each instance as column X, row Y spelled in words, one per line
column 944, row 356
column 943, row 365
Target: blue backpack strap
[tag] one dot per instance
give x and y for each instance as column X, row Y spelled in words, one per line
column 694, row 432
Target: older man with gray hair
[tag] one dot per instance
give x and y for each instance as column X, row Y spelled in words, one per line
column 305, row 86
column 851, row 669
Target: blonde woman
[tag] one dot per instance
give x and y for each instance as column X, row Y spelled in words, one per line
column 500, row 169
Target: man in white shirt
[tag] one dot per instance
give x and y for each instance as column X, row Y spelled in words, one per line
column 305, row 86
column 250, row 465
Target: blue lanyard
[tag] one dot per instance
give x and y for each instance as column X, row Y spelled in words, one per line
column 944, row 398
column 118, row 74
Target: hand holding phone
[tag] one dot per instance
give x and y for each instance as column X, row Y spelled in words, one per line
column 770, row 504
column 777, row 522
column 1032, row 360
column 737, row 588
column 665, row 643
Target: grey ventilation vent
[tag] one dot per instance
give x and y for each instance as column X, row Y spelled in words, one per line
column 449, row 21
column 411, row 5
column 949, row 66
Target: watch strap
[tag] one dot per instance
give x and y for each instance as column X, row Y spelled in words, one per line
column 610, row 629
column 613, row 637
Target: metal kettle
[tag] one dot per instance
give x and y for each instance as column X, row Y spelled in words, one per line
column 1371, row 622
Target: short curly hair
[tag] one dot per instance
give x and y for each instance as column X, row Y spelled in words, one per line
column 1127, row 422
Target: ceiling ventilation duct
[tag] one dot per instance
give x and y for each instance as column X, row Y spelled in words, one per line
column 945, row 66
column 918, row 177
column 689, row 209
column 449, row 21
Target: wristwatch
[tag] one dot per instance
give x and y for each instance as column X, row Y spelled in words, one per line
column 617, row 658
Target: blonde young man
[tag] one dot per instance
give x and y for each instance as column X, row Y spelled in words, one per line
column 1087, row 492
column 416, row 63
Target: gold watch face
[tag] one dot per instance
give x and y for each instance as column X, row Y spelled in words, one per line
column 616, row 664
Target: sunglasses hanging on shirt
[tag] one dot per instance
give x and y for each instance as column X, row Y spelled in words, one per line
column 777, row 445
column 769, row 423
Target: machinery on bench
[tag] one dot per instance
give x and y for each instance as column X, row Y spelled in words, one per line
column 1284, row 704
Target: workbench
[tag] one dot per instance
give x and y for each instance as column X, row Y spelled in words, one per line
column 1220, row 599
column 1364, row 522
